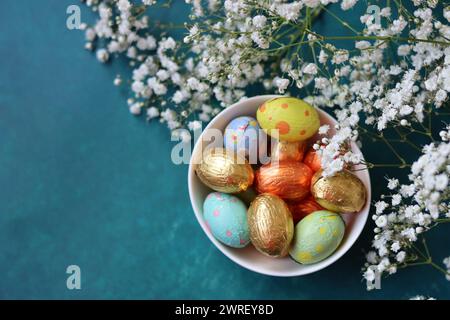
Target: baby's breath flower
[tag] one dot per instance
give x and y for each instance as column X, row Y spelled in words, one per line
column 324, row 129
column 380, row 206
column 152, row 112
column 281, row 84
column 102, row 55
column 259, row 21
column 421, row 298
column 392, row 183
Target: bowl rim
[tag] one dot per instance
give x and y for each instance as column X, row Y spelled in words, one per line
column 312, row 267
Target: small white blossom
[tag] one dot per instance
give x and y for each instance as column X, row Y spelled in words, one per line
column 194, row 125
column 380, row 206
column 135, row 108
column 324, row 129
column 281, row 84
column 381, row 221
column 310, row 68
column 152, row 112
column 392, row 183
column 421, row 298
column 401, row 256
column 348, row 4
column 396, row 199
column 259, row 21
column 102, row 55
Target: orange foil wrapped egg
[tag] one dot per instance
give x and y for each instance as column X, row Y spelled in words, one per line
column 288, row 179
column 312, row 160
column 285, row 150
column 301, row 209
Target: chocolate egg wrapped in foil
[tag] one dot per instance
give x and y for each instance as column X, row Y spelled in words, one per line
column 287, row 179
column 271, row 225
column 224, row 172
column 343, row 192
column 285, row 150
column 312, row 160
column 302, row 208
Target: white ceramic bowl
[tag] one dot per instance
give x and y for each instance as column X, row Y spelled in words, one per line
column 249, row 257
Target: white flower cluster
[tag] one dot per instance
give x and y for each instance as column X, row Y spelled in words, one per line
column 387, row 94
column 228, row 50
column 228, row 55
column 421, row 298
column 165, row 86
column 413, row 208
column 447, row 266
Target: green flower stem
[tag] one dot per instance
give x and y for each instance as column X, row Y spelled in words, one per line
column 429, row 119
column 444, row 43
column 401, row 9
column 402, row 160
column 403, row 138
column 407, row 142
column 357, row 38
column 344, row 24
column 421, row 263
column 427, row 257
column 439, row 268
column 388, row 165
column 427, row 251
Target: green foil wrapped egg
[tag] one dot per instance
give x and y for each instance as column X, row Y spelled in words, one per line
column 294, row 119
column 317, row 236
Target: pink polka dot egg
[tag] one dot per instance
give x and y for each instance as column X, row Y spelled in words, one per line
column 293, row 119
column 226, row 218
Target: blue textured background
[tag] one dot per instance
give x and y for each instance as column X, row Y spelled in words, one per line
column 83, row 182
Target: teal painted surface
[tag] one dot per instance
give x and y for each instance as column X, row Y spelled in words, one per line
column 83, row 182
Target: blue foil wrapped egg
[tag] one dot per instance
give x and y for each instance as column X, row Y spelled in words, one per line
column 242, row 136
column 226, row 218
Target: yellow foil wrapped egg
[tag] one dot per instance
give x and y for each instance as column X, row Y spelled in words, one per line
column 271, row 225
column 294, row 119
column 224, row 172
column 343, row 192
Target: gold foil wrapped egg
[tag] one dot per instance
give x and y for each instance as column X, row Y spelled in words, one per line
column 271, row 225
column 224, row 172
column 288, row 179
column 285, row 150
column 343, row 192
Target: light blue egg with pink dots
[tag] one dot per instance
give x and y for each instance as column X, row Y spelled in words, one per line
column 226, row 218
column 242, row 136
